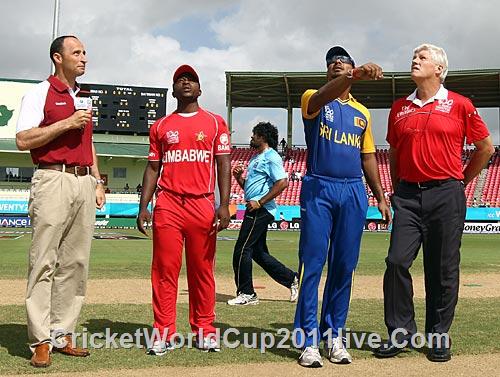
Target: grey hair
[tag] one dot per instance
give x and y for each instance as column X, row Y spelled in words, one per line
column 438, row 56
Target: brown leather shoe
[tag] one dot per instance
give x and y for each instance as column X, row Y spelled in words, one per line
column 69, row 350
column 41, row 356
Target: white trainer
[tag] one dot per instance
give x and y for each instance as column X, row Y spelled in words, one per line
column 159, row 348
column 337, row 353
column 244, row 299
column 207, row 344
column 294, row 290
column 311, row 358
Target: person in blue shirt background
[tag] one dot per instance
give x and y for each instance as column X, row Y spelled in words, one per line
column 266, row 179
column 333, row 204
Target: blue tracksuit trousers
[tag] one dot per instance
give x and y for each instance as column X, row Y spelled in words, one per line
column 333, row 213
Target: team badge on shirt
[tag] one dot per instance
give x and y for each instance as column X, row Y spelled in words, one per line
column 172, row 137
column 200, row 136
column 359, row 122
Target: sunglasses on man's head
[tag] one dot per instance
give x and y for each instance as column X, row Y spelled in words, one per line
column 342, row 58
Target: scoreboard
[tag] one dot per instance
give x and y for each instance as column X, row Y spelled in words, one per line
column 125, row 109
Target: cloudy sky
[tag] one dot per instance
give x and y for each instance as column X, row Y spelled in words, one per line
column 141, row 42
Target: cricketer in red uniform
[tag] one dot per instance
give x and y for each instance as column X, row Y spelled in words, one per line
column 185, row 148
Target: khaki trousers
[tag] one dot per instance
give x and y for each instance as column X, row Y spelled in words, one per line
column 62, row 211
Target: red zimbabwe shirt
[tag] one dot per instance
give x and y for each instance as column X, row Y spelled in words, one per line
column 187, row 146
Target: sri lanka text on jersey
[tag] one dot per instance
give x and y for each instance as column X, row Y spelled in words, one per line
column 340, row 137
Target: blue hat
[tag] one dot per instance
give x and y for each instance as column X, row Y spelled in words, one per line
column 337, row 51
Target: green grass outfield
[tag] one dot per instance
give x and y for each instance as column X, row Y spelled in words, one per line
column 475, row 329
column 132, row 258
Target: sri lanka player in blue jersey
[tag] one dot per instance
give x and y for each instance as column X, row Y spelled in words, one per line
column 333, row 204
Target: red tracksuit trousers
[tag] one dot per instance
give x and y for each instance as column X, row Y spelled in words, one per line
column 182, row 220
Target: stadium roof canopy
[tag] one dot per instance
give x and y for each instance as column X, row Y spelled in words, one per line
column 283, row 89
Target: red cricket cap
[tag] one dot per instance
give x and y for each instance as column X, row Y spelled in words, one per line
column 185, row 69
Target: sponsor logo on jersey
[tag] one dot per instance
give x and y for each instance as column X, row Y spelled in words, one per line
column 200, row 136
column 405, row 110
column 172, row 137
column 444, row 105
column 224, row 143
column 359, row 122
column 328, row 113
column 60, row 103
column 224, row 139
column 253, row 164
column 187, row 155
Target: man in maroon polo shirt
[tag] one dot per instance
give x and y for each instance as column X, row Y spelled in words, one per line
column 55, row 124
column 426, row 133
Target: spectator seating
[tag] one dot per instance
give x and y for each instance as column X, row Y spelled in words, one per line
column 295, row 162
column 490, row 196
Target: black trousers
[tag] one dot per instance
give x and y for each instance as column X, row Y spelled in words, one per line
column 434, row 218
column 251, row 244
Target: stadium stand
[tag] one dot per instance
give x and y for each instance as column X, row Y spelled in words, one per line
column 483, row 191
column 491, row 192
column 295, row 165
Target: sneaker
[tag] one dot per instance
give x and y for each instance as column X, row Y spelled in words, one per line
column 159, row 348
column 311, row 358
column 244, row 299
column 337, row 353
column 208, row 344
column 294, row 289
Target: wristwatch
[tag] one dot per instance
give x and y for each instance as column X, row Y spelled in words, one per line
column 99, row 181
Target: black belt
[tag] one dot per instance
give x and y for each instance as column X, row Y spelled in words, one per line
column 71, row 169
column 427, row 184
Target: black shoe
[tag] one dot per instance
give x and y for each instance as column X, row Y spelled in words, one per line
column 388, row 349
column 439, row 354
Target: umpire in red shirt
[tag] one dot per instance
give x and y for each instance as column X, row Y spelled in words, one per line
column 426, row 133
